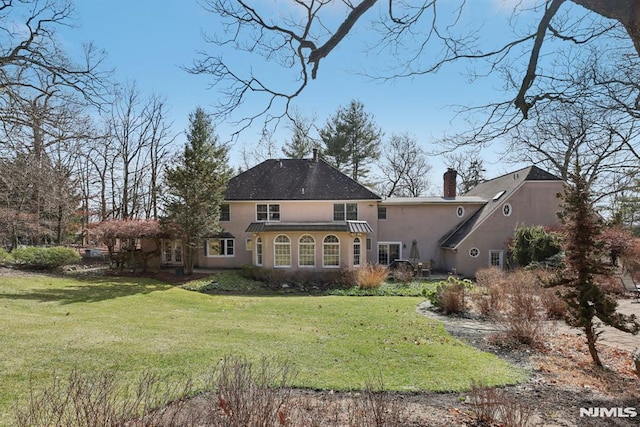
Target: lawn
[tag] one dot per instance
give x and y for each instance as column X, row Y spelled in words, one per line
column 52, row 325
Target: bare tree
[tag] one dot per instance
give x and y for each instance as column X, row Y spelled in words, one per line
column 404, row 168
column 30, row 53
column 469, row 166
column 423, row 36
column 603, row 141
column 138, row 129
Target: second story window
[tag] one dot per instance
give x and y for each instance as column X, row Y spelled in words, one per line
column 224, row 212
column 345, row 211
column 382, row 212
column 268, row 212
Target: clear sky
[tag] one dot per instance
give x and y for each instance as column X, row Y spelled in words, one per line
column 148, row 41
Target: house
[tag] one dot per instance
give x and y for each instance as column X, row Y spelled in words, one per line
column 306, row 214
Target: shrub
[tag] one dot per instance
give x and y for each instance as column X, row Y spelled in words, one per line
column 371, row 276
column 404, row 274
column 533, row 244
column 449, row 295
column 495, row 406
column 45, row 258
column 5, row 257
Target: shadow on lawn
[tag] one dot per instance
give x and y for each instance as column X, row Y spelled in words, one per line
column 96, row 289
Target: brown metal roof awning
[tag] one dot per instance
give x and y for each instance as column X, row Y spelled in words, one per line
column 344, row 226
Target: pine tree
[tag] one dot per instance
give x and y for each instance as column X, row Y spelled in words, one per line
column 195, row 186
column 351, row 139
column 301, row 144
column 585, row 265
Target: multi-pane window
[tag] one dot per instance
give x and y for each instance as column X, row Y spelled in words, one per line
column 357, row 251
column 306, row 251
column 224, row 212
column 267, row 212
column 331, row 251
column 282, row 251
column 495, row 258
column 259, row 251
column 345, row 211
column 382, row 212
column 219, row 247
column 172, row 252
column 388, row 252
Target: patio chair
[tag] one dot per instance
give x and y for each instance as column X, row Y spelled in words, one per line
column 630, row 285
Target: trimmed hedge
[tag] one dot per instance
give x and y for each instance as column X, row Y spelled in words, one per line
column 44, row 258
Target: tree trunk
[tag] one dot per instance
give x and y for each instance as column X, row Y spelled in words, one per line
column 591, row 342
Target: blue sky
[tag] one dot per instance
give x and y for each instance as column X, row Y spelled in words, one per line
column 150, row 40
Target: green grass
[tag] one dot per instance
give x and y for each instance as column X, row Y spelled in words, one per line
column 52, row 325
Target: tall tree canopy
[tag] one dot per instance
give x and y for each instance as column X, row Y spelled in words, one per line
column 351, row 140
column 419, row 38
column 196, row 184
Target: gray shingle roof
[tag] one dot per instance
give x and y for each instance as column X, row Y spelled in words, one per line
column 502, row 186
column 296, row 179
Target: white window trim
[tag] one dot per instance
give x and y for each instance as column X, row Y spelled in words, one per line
column 275, row 254
column 357, row 242
column 260, row 244
column 458, row 210
column 388, row 243
column 344, row 211
column 307, row 244
column 269, row 219
column 509, row 207
column 324, row 265
column 477, row 252
column 225, row 240
column 500, row 253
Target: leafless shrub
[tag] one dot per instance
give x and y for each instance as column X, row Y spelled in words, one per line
column 403, row 274
column 492, row 405
column 489, row 277
column 449, row 295
column 375, row 408
column 98, row 400
column 555, row 307
column 523, row 316
column 249, row 395
column 372, row 275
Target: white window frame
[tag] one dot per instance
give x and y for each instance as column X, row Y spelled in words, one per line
column 500, row 259
column 280, row 245
column 226, row 245
column 307, row 245
column 173, row 248
column 345, row 212
column 508, row 208
column 334, row 246
column 259, row 253
column 273, row 209
column 357, row 255
column 388, row 244
column 474, row 252
column 460, row 211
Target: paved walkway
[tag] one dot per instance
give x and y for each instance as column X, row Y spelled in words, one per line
column 610, row 336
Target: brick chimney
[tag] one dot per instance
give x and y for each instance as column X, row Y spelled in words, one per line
column 449, row 178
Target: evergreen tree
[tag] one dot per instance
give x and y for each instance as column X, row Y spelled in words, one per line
column 585, row 265
column 301, row 144
column 195, row 186
column 351, row 139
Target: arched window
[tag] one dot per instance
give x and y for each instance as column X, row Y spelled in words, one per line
column 259, row 251
column 331, row 251
column 282, row 251
column 357, row 252
column 306, row 251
